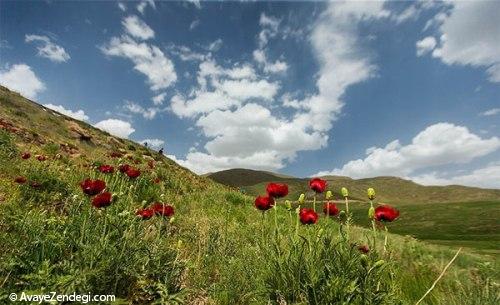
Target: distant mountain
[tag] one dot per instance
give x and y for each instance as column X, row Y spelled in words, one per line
column 389, row 189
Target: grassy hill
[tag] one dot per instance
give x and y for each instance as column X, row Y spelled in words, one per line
column 216, row 248
column 395, row 190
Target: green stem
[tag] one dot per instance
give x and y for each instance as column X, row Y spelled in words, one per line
column 385, row 239
column 314, row 202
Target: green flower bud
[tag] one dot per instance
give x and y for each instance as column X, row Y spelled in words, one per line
column 371, row 213
column 328, row 195
column 342, row 216
column 371, row 193
column 171, row 220
column 288, row 205
column 344, row 192
column 302, row 197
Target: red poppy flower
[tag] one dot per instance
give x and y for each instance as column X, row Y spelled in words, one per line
column 163, row 209
column 308, row 216
column 116, row 155
column 26, row 155
column 386, row 213
column 106, row 169
column 330, row 209
column 41, row 158
column 92, row 187
column 277, row 190
column 123, row 168
column 145, row 213
column 102, row 200
column 264, row 203
column 20, row 180
column 318, row 185
column 133, row 172
column 364, row 249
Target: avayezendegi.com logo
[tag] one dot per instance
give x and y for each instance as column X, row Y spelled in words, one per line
column 54, row 297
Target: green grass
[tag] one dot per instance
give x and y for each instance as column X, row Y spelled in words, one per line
column 217, row 250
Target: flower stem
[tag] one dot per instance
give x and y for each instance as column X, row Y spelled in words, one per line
column 314, row 202
column 439, row 277
column 385, row 239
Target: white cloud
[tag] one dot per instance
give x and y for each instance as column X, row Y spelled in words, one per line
column 438, row 144
column 137, row 28
column 141, row 7
column 148, row 60
column 186, row 54
column 241, row 131
column 470, row 35
column 122, row 6
column 77, row 115
column 215, row 45
column 486, row 177
column 425, row 45
column 194, row 24
column 490, row 112
column 116, row 127
column 277, row 67
column 147, row 113
column 46, row 48
column 154, row 143
column 269, row 26
column 22, row 79
column 158, row 99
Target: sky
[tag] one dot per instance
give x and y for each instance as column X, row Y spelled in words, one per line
column 359, row 89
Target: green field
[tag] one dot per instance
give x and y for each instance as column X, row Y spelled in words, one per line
column 217, row 248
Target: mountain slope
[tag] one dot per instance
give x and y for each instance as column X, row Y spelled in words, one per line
column 391, row 189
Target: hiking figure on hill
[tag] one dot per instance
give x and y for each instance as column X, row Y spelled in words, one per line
column 161, row 151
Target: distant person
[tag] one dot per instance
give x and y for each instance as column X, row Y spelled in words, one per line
column 146, row 144
column 161, row 151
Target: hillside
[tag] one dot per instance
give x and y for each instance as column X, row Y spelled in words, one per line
column 395, row 190
column 162, row 235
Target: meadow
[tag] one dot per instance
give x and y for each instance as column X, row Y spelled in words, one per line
column 155, row 233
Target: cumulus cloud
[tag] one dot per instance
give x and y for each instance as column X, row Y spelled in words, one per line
column 147, row 113
column 438, row 144
column 470, row 35
column 425, row 45
column 490, row 112
column 158, row 99
column 232, row 105
column 22, row 79
column 116, row 127
column 77, row 115
column 486, row 177
column 269, row 25
column 137, row 28
column 122, row 6
column 48, row 49
column 153, row 143
column 141, row 7
column 148, row 59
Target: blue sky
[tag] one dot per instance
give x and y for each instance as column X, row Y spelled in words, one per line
column 361, row 89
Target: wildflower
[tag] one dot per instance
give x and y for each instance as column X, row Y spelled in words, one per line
column 364, row 249
column 92, row 187
column 302, row 197
column 345, row 192
column 102, row 200
column 277, row 190
column 41, row 158
column 26, row 155
column 308, row 216
column 20, row 180
column 386, row 213
column 264, row 203
column 106, row 169
column 123, row 168
column 133, row 172
column 330, row 209
column 328, row 195
column 145, row 213
column 318, row 185
column 163, row 209
column 371, row 193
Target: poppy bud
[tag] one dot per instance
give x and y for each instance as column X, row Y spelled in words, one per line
column 328, row 195
column 342, row 216
column 371, row 193
column 371, row 213
column 288, row 205
column 171, row 220
column 302, row 197
column 344, row 192
column 378, row 263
